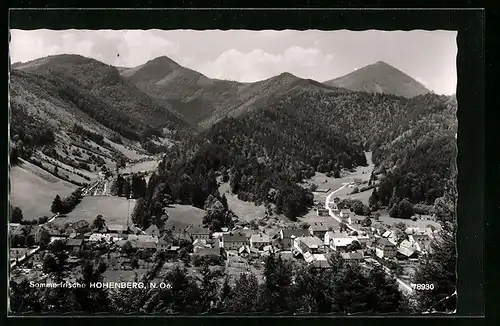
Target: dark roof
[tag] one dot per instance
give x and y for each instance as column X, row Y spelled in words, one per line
column 383, row 242
column 352, row 255
column 152, row 228
column 288, row 233
column 233, row 237
column 74, row 242
column 144, row 244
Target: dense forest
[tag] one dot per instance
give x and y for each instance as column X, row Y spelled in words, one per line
column 412, row 140
column 263, row 155
column 97, row 90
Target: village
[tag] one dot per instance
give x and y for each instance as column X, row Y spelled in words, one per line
column 129, row 251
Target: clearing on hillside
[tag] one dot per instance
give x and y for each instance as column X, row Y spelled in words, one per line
column 113, row 209
column 33, row 190
column 181, row 216
column 141, row 167
column 246, row 211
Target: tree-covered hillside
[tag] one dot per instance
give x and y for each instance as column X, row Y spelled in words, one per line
column 99, row 91
column 266, row 152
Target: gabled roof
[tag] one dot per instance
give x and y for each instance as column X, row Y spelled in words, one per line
column 383, row 242
column 142, row 238
column 233, row 238
column 352, row 255
column 406, row 251
column 143, row 244
column 74, row 242
column 260, row 238
column 320, row 227
column 341, row 242
column 200, row 242
column 208, row 252
column 310, row 242
column 116, row 227
column 288, row 233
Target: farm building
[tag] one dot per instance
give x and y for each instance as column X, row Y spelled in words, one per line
column 233, row 241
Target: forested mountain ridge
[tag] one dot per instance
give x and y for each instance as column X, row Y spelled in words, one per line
column 380, row 77
column 98, row 90
column 204, row 101
column 264, row 154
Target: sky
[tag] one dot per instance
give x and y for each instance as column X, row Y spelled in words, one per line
column 248, row 56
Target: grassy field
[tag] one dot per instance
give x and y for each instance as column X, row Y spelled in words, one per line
column 141, row 167
column 113, row 209
column 312, row 218
column 324, row 182
column 33, row 190
column 421, row 222
column 184, row 215
column 246, row 211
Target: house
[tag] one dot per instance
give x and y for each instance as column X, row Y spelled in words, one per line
column 200, row 244
column 144, row 245
column 406, row 250
column 233, row 241
column 245, row 232
column 319, row 229
column 214, row 252
column 353, row 256
column 385, row 249
column 74, row 245
column 198, row 233
column 310, row 244
column 337, row 241
column 362, row 238
column 117, row 228
column 103, row 229
column 259, row 240
column 287, row 236
column 422, row 242
column 355, row 219
column 153, row 230
column 97, row 237
column 162, row 245
column 322, row 212
column 344, row 215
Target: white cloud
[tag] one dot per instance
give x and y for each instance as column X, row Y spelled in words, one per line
column 258, row 64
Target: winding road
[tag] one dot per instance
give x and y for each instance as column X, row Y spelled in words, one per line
column 403, row 287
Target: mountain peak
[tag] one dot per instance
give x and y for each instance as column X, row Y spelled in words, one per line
column 380, row 77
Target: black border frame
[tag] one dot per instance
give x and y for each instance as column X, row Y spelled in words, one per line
column 470, row 25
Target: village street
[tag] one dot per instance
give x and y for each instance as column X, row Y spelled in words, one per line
column 402, row 285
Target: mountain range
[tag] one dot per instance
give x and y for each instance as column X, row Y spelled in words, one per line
column 282, row 129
